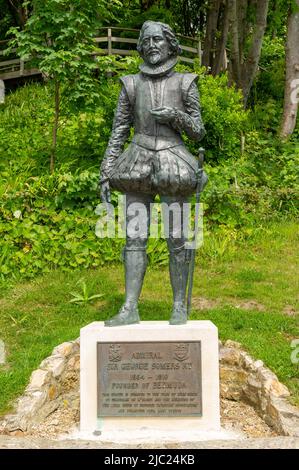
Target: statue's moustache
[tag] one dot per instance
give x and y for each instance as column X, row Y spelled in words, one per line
column 153, row 51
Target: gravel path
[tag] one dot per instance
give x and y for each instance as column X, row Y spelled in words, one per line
column 7, row 442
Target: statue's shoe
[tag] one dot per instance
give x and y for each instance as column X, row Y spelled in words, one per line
column 126, row 316
column 179, row 315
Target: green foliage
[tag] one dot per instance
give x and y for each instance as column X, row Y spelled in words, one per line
column 26, row 131
column 49, row 222
column 135, row 18
column 277, row 15
column 224, row 117
column 262, row 185
column 58, row 39
column 269, row 85
column 84, row 296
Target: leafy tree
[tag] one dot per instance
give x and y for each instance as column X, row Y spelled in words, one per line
column 58, row 39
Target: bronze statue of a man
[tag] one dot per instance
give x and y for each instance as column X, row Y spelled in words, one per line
column 159, row 104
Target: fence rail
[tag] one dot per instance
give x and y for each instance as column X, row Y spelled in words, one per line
column 16, row 67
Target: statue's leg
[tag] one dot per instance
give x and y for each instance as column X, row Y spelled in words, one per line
column 135, row 258
column 175, row 224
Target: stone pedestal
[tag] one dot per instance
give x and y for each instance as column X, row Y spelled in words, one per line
column 149, row 377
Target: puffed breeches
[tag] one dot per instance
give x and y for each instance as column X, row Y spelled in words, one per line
column 167, row 172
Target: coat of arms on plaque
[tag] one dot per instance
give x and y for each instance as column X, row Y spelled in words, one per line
column 181, row 352
column 114, row 353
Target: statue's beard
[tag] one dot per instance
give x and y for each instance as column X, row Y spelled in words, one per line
column 154, row 58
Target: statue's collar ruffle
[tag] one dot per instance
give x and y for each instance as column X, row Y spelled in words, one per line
column 160, row 69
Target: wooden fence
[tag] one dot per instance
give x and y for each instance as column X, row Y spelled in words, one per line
column 112, row 41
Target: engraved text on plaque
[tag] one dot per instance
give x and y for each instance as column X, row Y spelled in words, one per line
column 149, row 379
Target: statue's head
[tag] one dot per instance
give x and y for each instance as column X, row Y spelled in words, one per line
column 157, row 43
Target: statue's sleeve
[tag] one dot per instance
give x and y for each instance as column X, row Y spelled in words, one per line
column 190, row 121
column 120, row 132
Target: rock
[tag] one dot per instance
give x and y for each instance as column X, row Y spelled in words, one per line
column 65, row 349
column 229, row 356
column 30, row 403
column 38, row 379
column 253, row 383
column 74, row 362
column 246, row 361
column 232, row 344
column 56, row 365
column 17, row 433
column 232, row 381
column 48, row 409
column 52, row 392
column 276, row 388
column 258, row 364
column 252, row 391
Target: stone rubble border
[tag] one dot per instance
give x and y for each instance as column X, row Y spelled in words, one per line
column 241, row 379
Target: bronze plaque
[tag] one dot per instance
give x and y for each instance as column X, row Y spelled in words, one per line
column 149, row 378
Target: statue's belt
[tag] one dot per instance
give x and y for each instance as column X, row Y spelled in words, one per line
column 174, row 144
column 153, row 142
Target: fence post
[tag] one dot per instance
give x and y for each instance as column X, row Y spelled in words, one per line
column 2, row 100
column 109, row 41
column 199, row 51
column 21, row 67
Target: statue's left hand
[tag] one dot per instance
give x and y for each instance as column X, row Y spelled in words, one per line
column 163, row 114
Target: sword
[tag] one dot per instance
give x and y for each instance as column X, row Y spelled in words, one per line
column 202, row 180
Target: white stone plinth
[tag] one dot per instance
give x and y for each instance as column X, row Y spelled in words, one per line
column 203, row 331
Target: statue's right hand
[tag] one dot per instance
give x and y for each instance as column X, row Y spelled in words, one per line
column 105, row 192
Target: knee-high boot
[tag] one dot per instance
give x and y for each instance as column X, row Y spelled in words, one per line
column 179, row 270
column 135, row 267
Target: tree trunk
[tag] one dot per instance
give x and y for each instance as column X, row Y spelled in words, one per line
column 291, row 97
column 202, row 20
column 251, row 66
column 19, row 12
column 219, row 61
column 146, row 4
column 211, row 28
column 55, row 126
column 235, row 59
column 242, row 6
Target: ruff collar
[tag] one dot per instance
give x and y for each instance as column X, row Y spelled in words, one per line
column 159, row 69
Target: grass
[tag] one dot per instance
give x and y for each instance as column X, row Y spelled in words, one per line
column 36, row 316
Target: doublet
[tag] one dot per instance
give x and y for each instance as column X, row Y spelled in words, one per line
column 156, row 161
